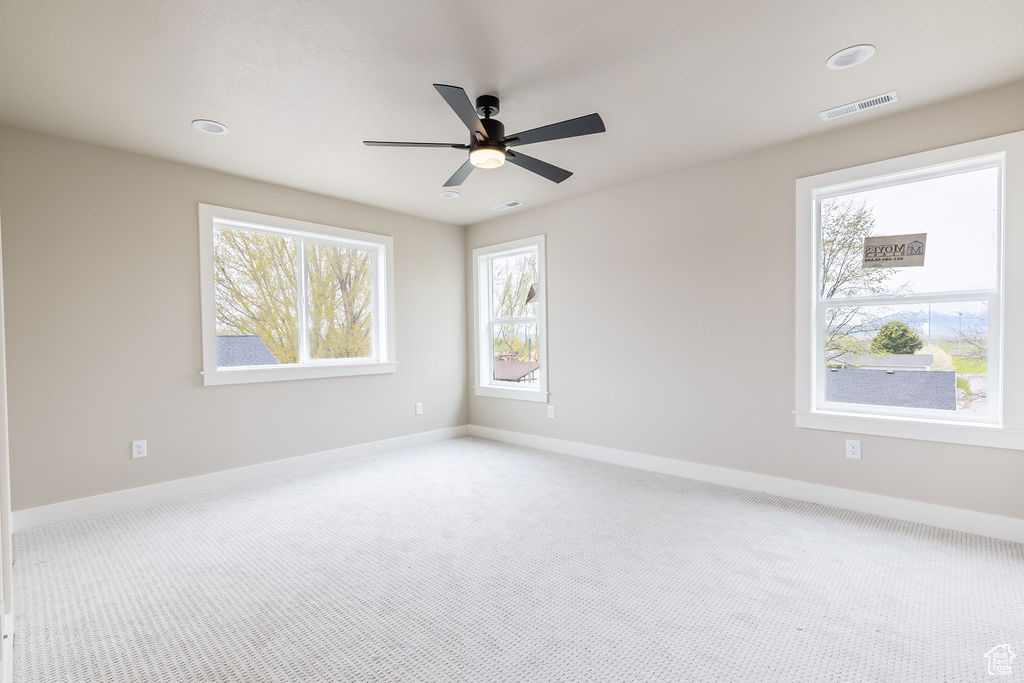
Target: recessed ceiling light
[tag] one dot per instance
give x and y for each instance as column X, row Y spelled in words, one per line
column 450, row 194
column 211, row 127
column 851, row 56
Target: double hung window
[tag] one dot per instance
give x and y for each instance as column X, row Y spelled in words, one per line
column 901, row 289
column 511, row 355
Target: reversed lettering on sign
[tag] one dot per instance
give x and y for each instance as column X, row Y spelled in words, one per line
column 894, row 251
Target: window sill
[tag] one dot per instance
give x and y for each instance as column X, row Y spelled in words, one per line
column 517, row 394
column 943, row 431
column 249, row 375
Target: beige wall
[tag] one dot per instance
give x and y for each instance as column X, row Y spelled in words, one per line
column 100, row 262
column 671, row 318
column 100, row 259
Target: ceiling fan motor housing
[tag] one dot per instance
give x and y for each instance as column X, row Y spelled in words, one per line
column 495, row 134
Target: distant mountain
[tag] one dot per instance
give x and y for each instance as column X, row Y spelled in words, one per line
column 944, row 326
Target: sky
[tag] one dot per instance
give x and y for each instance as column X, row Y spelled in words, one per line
column 958, row 212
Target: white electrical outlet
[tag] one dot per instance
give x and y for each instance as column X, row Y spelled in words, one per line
column 419, row 408
column 853, row 449
column 138, row 449
column 551, row 411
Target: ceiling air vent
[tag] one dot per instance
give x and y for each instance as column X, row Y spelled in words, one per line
column 854, row 107
column 506, row 206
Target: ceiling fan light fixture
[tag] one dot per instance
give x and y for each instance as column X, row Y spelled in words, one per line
column 487, row 157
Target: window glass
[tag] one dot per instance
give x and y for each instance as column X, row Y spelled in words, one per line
column 958, row 213
column 516, row 353
column 931, row 356
column 514, row 285
column 915, row 337
column 256, row 298
column 340, row 301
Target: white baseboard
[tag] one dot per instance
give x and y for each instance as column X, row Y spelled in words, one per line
column 996, row 526
column 30, row 518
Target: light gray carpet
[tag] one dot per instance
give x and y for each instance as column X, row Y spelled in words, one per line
column 474, row 561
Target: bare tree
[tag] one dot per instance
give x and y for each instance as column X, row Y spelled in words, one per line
column 257, row 293
column 972, row 337
column 513, row 277
column 257, row 289
column 973, row 333
column 340, row 301
column 844, row 225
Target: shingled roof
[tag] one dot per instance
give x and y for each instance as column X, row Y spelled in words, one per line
column 886, row 360
column 242, row 349
column 513, row 370
column 904, row 388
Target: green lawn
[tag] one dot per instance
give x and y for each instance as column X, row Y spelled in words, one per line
column 968, row 365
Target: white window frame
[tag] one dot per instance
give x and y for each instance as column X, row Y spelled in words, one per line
column 483, row 322
column 1006, row 426
column 382, row 360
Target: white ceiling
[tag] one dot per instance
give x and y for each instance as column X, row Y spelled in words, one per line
column 302, row 82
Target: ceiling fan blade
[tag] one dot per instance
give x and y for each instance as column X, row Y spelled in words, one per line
column 460, row 175
column 458, row 100
column 583, row 125
column 541, row 168
column 381, row 143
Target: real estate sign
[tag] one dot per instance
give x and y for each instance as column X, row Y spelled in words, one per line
column 894, row 251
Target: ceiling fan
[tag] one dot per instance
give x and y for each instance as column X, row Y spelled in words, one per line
column 489, row 146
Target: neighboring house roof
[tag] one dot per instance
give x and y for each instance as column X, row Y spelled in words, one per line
column 903, row 388
column 513, row 370
column 888, row 360
column 242, row 349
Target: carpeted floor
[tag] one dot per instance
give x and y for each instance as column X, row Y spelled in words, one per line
column 475, row 561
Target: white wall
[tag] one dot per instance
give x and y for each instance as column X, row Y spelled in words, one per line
column 101, row 274
column 671, row 318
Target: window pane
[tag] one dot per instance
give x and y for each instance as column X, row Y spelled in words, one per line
column 256, row 294
column 930, row 356
column 516, row 354
column 514, row 285
column 340, row 301
column 959, row 214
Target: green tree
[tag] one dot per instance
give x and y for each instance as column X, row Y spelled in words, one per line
column 896, row 337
